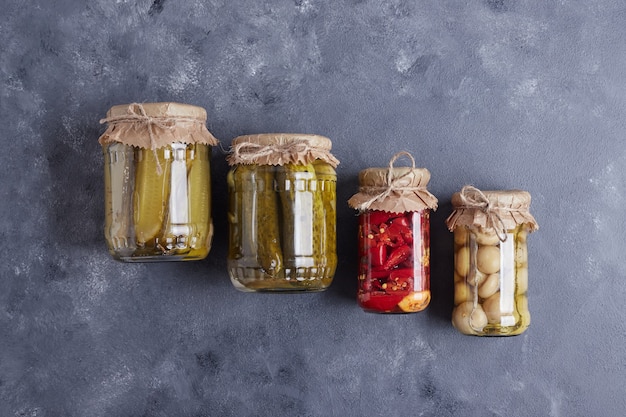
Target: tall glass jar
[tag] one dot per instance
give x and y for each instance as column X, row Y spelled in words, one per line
column 157, row 182
column 394, row 238
column 491, row 261
column 282, row 215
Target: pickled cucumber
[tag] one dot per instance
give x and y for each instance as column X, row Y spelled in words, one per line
column 151, row 195
column 303, row 218
column 119, row 163
column 268, row 240
column 235, row 246
column 199, row 185
column 244, row 211
column 327, row 177
column 256, row 209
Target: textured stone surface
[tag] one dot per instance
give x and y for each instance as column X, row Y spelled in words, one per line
column 498, row 93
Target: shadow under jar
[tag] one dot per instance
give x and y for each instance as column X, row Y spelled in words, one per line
column 394, row 238
column 157, row 182
column 491, row 261
column 282, row 213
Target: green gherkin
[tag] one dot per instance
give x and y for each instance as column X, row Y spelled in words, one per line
column 235, row 248
column 254, row 221
column 151, row 195
column 327, row 180
column 303, row 217
column 268, row 240
column 118, row 181
column 199, row 190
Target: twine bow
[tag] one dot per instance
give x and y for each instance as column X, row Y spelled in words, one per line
column 473, row 198
column 393, row 183
column 248, row 152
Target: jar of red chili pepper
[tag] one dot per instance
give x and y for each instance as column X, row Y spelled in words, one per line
column 491, row 261
column 394, row 238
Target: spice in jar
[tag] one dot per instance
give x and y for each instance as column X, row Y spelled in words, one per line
column 282, row 213
column 491, row 261
column 394, row 207
column 157, row 182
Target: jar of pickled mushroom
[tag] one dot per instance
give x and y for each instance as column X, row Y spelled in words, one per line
column 491, row 261
column 394, row 238
column 282, row 212
column 157, row 182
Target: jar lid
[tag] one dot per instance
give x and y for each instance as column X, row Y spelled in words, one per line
column 154, row 125
column 394, row 189
column 280, row 149
column 500, row 210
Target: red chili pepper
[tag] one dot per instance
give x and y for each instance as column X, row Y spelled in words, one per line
column 407, row 264
column 402, row 280
column 380, row 302
column 397, row 256
column 368, row 241
column 377, row 273
column 376, row 218
column 402, row 222
column 395, row 234
column 402, row 274
column 378, row 255
column 408, row 237
column 402, row 226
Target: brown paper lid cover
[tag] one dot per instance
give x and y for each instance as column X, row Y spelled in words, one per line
column 154, row 125
column 280, row 149
column 394, row 189
column 491, row 209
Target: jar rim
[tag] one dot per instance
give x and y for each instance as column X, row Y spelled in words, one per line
column 266, row 139
column 161, row 109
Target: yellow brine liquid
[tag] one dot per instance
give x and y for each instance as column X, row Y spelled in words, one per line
column 158, row 202
column 282, row 227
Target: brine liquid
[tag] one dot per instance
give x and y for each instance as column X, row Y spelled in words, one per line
column 157, row 203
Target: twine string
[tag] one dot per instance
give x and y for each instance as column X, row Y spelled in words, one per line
column 392, row 183
column 250, row 153
column 473, row 198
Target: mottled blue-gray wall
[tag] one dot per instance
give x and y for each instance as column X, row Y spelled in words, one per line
column 496, row 93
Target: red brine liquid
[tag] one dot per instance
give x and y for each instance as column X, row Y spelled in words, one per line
column 394, row 268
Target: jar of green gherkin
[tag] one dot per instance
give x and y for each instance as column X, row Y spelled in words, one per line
column 157, row 182
column 282, row 212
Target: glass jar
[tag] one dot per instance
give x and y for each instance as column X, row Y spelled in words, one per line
column 491, row 261
column 394, row 238
column 157, row 182
column 282, row 213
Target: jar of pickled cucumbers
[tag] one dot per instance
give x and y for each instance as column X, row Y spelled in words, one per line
column 282, row 213
column 157, row 182
column 394, row 238
column 491, row 261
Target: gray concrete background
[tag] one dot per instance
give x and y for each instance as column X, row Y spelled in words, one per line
column 496, row 93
